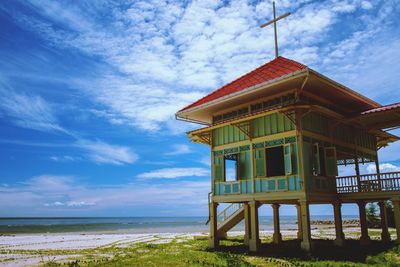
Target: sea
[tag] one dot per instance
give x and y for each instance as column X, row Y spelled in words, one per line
column 134, row 224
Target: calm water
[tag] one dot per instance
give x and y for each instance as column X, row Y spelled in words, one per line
column 130, row 224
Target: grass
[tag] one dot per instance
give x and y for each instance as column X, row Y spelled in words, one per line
column 231, row 252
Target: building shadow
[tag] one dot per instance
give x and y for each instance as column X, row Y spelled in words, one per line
column 352, row 251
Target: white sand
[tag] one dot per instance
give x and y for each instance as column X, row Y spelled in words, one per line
column 17, row 247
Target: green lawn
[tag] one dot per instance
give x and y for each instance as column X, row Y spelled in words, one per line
column 233, row 253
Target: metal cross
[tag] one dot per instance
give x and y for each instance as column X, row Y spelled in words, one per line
column 274, row 21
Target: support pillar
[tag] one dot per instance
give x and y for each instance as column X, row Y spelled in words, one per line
column 277, row 237
column 396, row 208
column 357, row 168
column 305, row 223
column 385, row 235
column 254, row 242
column 378, row 173
column 213, row 241
column 247, row 224
column 337, row 212
column 299, row 225
column 364, row 239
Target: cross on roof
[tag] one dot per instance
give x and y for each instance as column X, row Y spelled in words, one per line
column 274, row 22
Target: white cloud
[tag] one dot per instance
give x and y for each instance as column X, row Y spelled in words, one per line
column 201, row 45
column 206, row 161
column 28, row 111
column 366, row 5
column 65, row 158
column 383, row 167
column 179, row 149
column 68, row 204
column 168, row 54
column 51, row 195
column 171, row 173
column 101, row 152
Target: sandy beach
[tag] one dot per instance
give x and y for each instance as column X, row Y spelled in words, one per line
column 38, row 249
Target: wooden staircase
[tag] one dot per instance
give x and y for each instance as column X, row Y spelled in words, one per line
column 229, row 217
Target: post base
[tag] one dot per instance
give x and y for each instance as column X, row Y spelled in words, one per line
column 339, row 242
column 385, row 237
column 365, row 240
column 213, row 242
column 306, row 246
column 277, row 238
column 254, row 245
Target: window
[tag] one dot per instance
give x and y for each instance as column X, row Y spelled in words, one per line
column 275, row 161
column 324, row 161
column 331, row 161
column 231, row 167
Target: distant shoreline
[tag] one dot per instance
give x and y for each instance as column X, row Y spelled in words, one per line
column 140, row 225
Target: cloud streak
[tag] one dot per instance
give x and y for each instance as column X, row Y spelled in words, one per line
column 101, row 152
column 61, row 195
column 172, row 173
column 168, row 54
column 28, row 111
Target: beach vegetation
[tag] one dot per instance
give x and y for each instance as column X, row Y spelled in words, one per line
column 232, row 252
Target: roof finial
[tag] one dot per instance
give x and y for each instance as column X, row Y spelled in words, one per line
column 275, row 31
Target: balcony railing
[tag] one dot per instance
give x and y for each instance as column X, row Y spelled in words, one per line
column 389, row 181
column 261, row 185
column 228, row 212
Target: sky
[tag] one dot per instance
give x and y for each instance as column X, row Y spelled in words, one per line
column 89, row 89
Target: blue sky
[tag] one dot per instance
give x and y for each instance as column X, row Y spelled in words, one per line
column 88, row 92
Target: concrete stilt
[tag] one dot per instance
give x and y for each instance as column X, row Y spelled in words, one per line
column 247, row 224
column 396, row 207
column 213, row 241
column 277, row 237
column 300, row 229
column 385, row 235
column 254, row 242
column 337, row 212
column 305, row 223
column 364, row 239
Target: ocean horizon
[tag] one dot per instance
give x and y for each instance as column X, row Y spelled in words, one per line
column 147, row 224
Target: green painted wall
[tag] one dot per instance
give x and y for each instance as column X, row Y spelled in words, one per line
column 318, row 123
column 263, row 126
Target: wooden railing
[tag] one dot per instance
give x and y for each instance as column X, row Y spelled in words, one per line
column 259, row 185
column 228, row 212
column 389, row 181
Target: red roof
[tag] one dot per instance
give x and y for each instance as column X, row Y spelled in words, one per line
column 383, row 108
column 274, row 69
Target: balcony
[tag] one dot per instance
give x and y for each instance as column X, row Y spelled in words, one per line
column 262, row 185
column 384, row 182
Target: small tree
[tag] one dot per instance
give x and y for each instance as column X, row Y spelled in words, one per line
column 390, row 213
column 373, row 220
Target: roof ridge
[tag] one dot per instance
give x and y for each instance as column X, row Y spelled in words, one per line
column 279, row 59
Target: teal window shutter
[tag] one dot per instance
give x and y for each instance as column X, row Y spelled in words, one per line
column 218, row 168
column 244, row 163
column 331, row 161
column 288, row 159
column 260, row 162
column 316, row 161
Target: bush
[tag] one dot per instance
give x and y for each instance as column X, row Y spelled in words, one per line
column 373, row 220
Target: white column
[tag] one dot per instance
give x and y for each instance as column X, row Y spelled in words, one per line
column 254, row 242
column 364, row 239
column 337, row 211
column 277, row 237
column 385, row 235
column 305, row 222
column 213, row 241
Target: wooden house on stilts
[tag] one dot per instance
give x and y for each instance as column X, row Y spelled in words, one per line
column 285, row 128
